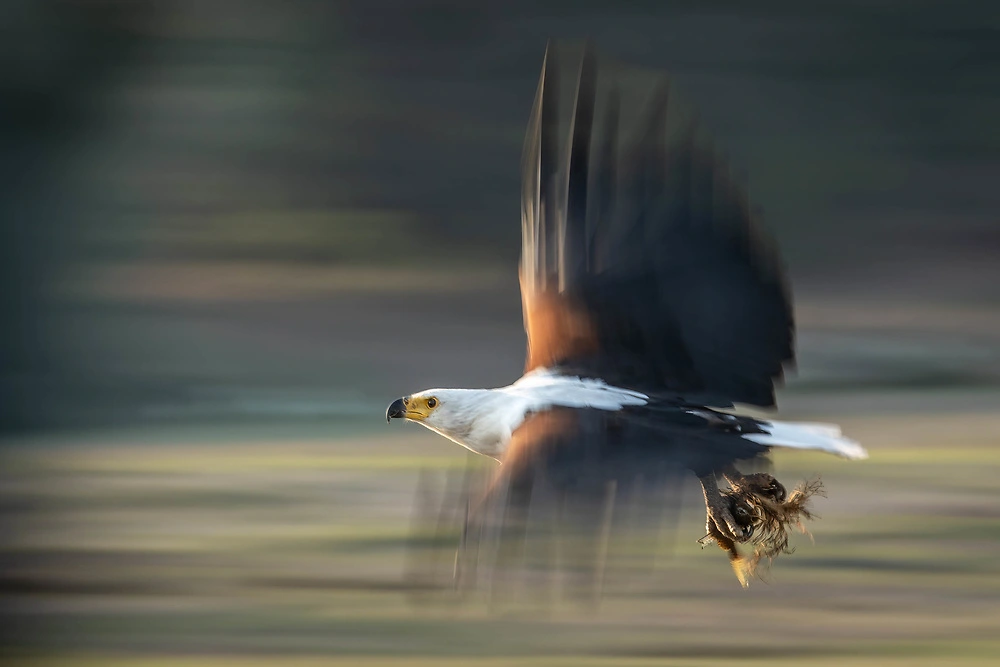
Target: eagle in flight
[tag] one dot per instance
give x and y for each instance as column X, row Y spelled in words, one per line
column 652, row 303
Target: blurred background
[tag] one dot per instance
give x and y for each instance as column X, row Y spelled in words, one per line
column 232, row 233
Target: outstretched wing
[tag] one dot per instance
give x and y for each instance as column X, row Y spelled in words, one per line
column 641, row 263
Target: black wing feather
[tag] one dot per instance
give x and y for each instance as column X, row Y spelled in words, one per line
column 651, row 244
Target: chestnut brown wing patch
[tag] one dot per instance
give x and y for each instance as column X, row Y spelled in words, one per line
column 557, row 328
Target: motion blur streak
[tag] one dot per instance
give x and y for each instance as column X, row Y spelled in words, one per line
column 216, row 222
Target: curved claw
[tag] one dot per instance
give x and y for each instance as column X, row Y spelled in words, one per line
column 719, row 510
column 721, row 517
column 777, row 491
column 747, row 533
column 762, row 484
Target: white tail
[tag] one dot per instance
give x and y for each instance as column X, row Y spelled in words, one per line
column 801, row 435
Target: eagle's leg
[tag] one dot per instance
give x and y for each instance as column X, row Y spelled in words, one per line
column 719, row 519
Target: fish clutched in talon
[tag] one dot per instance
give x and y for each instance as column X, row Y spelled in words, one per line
column 760, row 506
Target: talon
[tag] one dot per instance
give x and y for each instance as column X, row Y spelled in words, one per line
column 722, row 517
column 777, row 491
column 743, row 516
column 766, row 485
column 719, row 509
column 760, row 483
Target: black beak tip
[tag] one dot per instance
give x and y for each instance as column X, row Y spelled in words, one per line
column 397, row 410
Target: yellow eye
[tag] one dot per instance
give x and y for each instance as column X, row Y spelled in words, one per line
column 432, row 403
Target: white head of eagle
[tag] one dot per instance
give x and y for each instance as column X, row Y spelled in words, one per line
column 470, row 417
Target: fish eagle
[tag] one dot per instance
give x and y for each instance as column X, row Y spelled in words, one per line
column 652, row 303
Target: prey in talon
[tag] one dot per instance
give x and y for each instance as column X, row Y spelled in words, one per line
column 755, row 510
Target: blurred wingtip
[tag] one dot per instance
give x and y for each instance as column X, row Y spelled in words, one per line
column 852, row 450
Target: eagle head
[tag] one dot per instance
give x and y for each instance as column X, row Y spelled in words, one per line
column 474, row 418
column 417, row 407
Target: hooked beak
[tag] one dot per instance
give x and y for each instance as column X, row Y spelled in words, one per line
column 397, row 410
